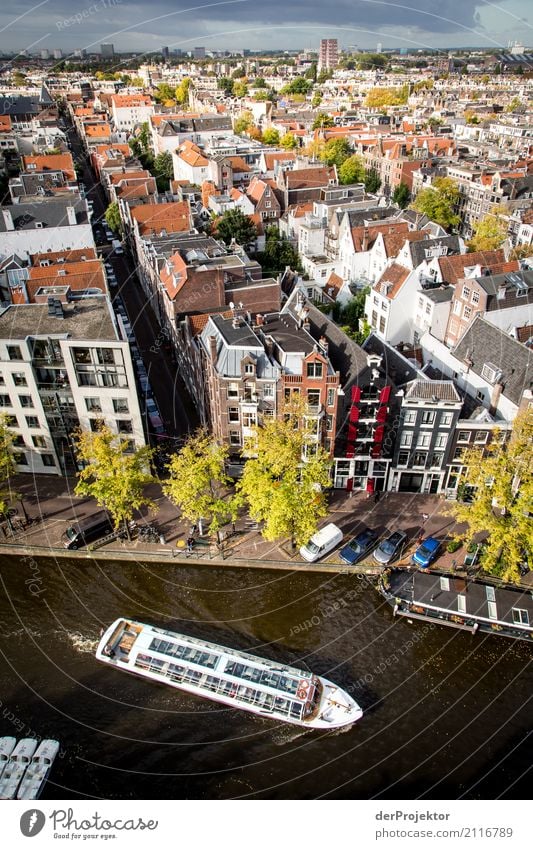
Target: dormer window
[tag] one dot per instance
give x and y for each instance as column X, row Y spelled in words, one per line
column 249, row 368
column 314, row 369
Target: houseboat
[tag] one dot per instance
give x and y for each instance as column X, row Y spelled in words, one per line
column 232, row 678
column 468, row 604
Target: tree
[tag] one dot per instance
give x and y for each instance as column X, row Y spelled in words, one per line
column 7, row 464
column 182, row 91
column 163, row 170
column 278, row 486
column 289, row 141
column 112, row 216
column 234, row 224
column 322, row 121
column 325, row 74
column 271, row 136
column 502, row 482
column 521, row 252
column 381, row 97
column 112, row 474
column 238, row 73
column 310, row 74
column 259, row 82
column 243, row 122
column 490, row 232
column 401, row 195
column 226, row 85
column 369, row 61
column 197, row 481
column 298, row 86
column 278, row 254
column 165, row 94
column 352, row 170
column 316, row 99
column 372, row 181
column 336, row 151
column 240, row 89
column 438, row 202
column 144, row 136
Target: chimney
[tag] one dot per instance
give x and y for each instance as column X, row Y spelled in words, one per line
column 501, row 292
column 213, row 349
column 323, row 342
column 495, row 398
column 8, row 219
column 71, row 216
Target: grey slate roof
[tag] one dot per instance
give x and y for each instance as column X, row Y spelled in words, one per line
column 88, row 318
column 484, row 343
column 419, row 250
column 233, row 344
column 439, row 295
column 50, row 211
column 346, row 356
column 398, row 369
column 357, row 217
column 429, row 390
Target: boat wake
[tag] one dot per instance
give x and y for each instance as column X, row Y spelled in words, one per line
column 85, row 645
column 283, row 735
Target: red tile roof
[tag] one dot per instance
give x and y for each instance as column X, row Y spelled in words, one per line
column 392, row 280
column 452, row 267
column 171, row 217
column 51, row 162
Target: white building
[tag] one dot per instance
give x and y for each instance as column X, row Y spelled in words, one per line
column 64, row 366
column 45, row 224
column 131, row 110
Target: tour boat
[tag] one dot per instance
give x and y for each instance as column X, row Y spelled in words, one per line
column 16, row 766
column 37, row 772
column 469, row 604
column 233, row 678
column 7, row 744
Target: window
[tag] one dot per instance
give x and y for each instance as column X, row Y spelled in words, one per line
column 467, row 312
column 420, row 458
column 233, row 390
column 11, row 421
column 329, row 422
column 268, row 390
column 93, row 405
column 481, row 436
column 436, row 461
column 490, row 593
column 26, row 401
column 403, row 458
column 86, row 378
column 2, row 380
column 105, row 356
column 32, row 421
column 331, row 397
column 314, row 369
column 249, row 420
column 233, row 414
column 463, row 436
column 19, row 379
column 39, row 441
column 95, row 425
column 48, row 459
column 493, row 610
column 5, row 401
column 124, row 426
column 406, row 439
column 421, row 303
column 441, row 440
column 382, row 324
column 120, row 405
column 14, row 352
column 428, row 308
column 409, row 417
column 457, row 307
column 465, row 293
column 445, row 584
column 475, row 298
column 446, row 419
column 313, row 397
column 249, row 368
column 428, row 417
column 20, row 458
column 374, row 321
column 81, row 355
column 423, row 440
column 520, row 616
column 234, row 437
column 461, row 603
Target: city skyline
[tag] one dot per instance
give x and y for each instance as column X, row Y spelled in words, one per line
column 238, row 24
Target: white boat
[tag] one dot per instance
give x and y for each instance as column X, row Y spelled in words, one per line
column 16, row 766
column 7, row 744
column 233, row 678
column 37, row 772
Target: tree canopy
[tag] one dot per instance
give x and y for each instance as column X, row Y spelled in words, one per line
column 112, row 474
column 336, row 151
column 278, row 254
column 163, row 170
column 7, row 464
column 197, row 481
column 502, row 482
column 439, row 201
column 322, row 120
column 297, row 86
column 382, row 97
column 271, row 136
column 243, row 122
column 234, row 224
column 489, row 233
column 278, row 486
column 401, row 195
column 289, row 141
column 352, row 170
column 112, row 216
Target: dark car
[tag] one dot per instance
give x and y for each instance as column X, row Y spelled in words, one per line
column 87, row 530
column 426, row 552
column 390, row 547
column 359, row 546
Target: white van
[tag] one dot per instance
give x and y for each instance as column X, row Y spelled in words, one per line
column 117, row 247
column 324, row 541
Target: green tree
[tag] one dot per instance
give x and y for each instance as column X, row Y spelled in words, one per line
column 7, row 464
column 490, row 232
column 336, row 151
column 502, row 482
column 164, row 93
column 181, row 92
column 144, row 137
column 226, row 85
column 401, row 195
column 298, row 86
column 310, row 74
column 351, row 317
column 259, row 82
column 271, row 136
column 325, row 74
column 197, row 481
column 240, row 89
column 278, row 487
column 278, row 254
column 352, row 170
column 322, row 121
column 316, row 100
column 163, row 170
column 112, row 216
column 372, row 181
column 238, row 73
column 243, row 122
column 112, row 474
column 369, row 61
column 234, row 224
column 289, row 141
column 439, row 201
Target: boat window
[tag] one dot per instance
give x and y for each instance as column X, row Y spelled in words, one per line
column 296, row 710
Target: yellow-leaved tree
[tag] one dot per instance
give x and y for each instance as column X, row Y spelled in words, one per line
column 7, row 465
column 490, row 232
column 279, row 486
column 502, row 502
column 113, row 474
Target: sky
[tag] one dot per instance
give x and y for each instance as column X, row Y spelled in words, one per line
column 256, row 24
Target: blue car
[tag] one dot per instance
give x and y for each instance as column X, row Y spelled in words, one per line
column 359, row 546
column 426, row 553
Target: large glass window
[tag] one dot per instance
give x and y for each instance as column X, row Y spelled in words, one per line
column 19, row 378
column 93, row 405
column 14, row 352
column 120, row 405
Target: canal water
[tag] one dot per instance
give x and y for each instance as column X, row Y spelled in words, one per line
column 446, row 715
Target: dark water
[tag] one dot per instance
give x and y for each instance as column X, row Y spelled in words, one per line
column 446, row 714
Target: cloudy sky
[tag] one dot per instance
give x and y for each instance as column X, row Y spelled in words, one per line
column 283, row 24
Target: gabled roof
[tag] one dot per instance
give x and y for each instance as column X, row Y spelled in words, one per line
column 484, row 343
column 5, row 124
column 50, row 162
column 334, row 284
column 76, row 255
column 277, row 156
column 452, row 267
column 368, row 235
column 392, row 280
column 191, row 154
column 309, row 178
column 421, row 250
column 429, row 390
column 154, row 218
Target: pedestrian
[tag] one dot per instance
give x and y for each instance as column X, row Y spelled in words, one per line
column 425, row 517
column 376, row 496
column 190, row 543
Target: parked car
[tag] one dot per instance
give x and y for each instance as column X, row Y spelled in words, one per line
column 390, row 547
column 151, row 407
column 87, row 530
column 321, row 543
column 359, row 546
column 426, row 552
column 116, row 244
column 156, row 425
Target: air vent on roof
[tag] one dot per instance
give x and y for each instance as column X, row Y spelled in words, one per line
column 491, row 373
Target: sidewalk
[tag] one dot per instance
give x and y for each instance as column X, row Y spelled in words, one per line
column 50, row 504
